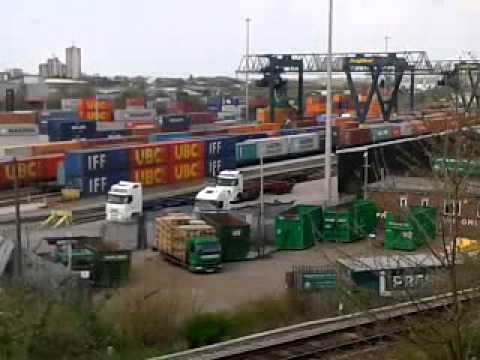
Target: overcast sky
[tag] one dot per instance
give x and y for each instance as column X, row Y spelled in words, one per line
column 182, row 37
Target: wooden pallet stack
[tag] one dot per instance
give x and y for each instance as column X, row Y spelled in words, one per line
column 165, row 229
column 174, row 230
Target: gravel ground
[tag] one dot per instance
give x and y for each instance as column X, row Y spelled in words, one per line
column 240, row 281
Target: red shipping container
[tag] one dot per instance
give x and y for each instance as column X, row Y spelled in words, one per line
column 148, row 155
column 150, row 176
column 396, row 132
column 187, row 151
column 186, row 171
column 144, row 132
column 135, row 103
column 112, row 142
column 353, row 137
column 140, row 125
column 31, row 170
column 19, row 117
column 200, row 118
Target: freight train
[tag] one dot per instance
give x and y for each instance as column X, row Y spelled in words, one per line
column 93, row 165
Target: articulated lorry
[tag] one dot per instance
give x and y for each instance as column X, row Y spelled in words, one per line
column 231, row 188
column 124, row 201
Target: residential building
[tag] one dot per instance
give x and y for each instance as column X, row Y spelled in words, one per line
column 43, row 70
column 54, row 67
column 74, row 62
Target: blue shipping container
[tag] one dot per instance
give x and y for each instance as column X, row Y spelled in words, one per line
column 113, row 133
column 87, row 162
column 59, row 114
column 97, row 184
column 218, row 147
column 245, row 137
column 214, row 166
column 175, row 122
column 216, row 108
column 69, row 130
column 45, row 125
column 153, row 138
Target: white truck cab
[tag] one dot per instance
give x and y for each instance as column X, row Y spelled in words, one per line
column 124, row 201
column 228, row 189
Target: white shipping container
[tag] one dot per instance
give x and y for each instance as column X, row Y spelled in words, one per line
column 272, row 147
column 20, row 151
column 134, row 115
column 70, row 104
column 406, row 128
column 303, row 143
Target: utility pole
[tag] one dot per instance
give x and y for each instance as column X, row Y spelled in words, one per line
column 262, row 201
column 247, row 59
column 328, row 123
column 18, row 224
column 96, row 99
column 387, row 38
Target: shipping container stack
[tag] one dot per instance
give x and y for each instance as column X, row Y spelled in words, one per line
column 219, row 155
column 97, row 110
column 95, row 171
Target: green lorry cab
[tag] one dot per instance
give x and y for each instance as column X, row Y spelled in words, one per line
column 204, row 254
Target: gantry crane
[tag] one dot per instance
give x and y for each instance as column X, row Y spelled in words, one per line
column 375, row 64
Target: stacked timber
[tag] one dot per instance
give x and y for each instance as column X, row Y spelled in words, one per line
column 175, row 230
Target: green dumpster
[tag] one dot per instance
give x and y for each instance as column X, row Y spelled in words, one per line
column 112, row 268
column 351, row 222
column 399, row 236
column 234, row 235
column 298, row 227
column 419, row 227
column 365, row 216
column 423, row 219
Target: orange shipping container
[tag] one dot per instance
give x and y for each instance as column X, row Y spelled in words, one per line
column 55, row 147
column 150, row 176
column 187, row 171
column 269, row 127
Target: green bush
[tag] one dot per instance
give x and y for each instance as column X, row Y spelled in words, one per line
column 206, row 329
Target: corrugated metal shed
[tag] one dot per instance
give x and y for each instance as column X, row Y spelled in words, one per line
column 6, row 250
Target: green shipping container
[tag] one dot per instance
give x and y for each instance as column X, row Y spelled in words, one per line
column 246, row 153
column 460, row 167
column 112, row 268
column 234, row 235
column 299, row 227
column 381, row 133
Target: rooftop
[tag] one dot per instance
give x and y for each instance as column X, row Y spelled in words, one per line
column 419, row 184
column 390, row 262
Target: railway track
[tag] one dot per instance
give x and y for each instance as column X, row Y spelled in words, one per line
column 329, row 338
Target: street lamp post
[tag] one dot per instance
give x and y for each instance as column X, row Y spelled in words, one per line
column 247, row 59
column 365, row 174
column 328, row 123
